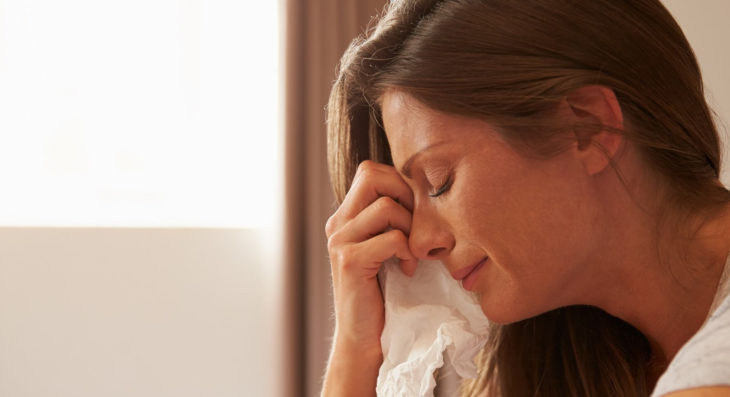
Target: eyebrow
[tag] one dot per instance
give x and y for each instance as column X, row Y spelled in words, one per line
column 406, row 169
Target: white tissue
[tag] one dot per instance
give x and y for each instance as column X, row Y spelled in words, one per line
column 426, row 315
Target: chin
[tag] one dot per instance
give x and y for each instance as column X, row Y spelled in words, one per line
column 502, row 318
column 502, row 313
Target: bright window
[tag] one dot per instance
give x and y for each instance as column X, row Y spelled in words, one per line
column 139, row 113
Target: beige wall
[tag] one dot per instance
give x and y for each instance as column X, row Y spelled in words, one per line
column 705, row 24
column 138, row 312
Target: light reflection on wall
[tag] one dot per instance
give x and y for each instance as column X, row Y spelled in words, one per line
column 139, row 113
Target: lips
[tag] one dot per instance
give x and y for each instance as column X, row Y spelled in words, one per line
column 471, row 278
column 464, row 272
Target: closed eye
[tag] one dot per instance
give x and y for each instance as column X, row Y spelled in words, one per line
column 443, row 189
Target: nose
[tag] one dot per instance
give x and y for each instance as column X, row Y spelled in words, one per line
column 430, row 237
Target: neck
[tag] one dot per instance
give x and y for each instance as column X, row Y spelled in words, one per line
column 665, row 293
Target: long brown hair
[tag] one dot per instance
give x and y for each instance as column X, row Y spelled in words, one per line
column 510, row 63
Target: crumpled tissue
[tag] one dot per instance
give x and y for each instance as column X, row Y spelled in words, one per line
column 426, row 315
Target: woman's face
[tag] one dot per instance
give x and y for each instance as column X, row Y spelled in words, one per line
column 476, row 198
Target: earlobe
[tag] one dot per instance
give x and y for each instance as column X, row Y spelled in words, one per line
column 596, row 106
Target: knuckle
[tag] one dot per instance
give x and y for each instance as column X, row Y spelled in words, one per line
column 397, row 237
column 345, row 257
column 385, row 203
column 366, row 165
column 329, row 227
column 366, row 169
column 333, row 242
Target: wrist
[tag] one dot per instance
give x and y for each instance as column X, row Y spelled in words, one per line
column 361, row 353
column 355, row 344
column 352, row 370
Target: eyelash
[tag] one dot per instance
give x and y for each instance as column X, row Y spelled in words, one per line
column 443, row 189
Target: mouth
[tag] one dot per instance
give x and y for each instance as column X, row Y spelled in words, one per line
column 468, row 275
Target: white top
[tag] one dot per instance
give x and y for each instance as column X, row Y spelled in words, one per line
column 705, row 359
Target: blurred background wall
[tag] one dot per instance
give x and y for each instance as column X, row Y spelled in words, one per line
column 197, row 307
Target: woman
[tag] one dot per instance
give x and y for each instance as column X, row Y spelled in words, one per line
column 560, row 159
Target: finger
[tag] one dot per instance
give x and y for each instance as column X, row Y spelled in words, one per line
column 378, row 217
column 399, row 242
column 374, row 180
column 366, row 258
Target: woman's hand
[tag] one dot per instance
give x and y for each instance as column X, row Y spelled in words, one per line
column 371, row 226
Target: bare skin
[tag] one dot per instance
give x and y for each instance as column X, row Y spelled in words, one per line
column 358, row 244
column 555, row 232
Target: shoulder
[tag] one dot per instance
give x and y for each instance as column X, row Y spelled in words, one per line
column 703, row 361
column 722, row 391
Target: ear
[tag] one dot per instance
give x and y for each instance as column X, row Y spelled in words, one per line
column 596, row 104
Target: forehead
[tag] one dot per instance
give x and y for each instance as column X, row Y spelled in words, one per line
column 403, row 116
column 411, row 126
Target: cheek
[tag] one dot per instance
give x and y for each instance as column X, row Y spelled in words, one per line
column 534, row 225
column 493, row 214
column 537, row 227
